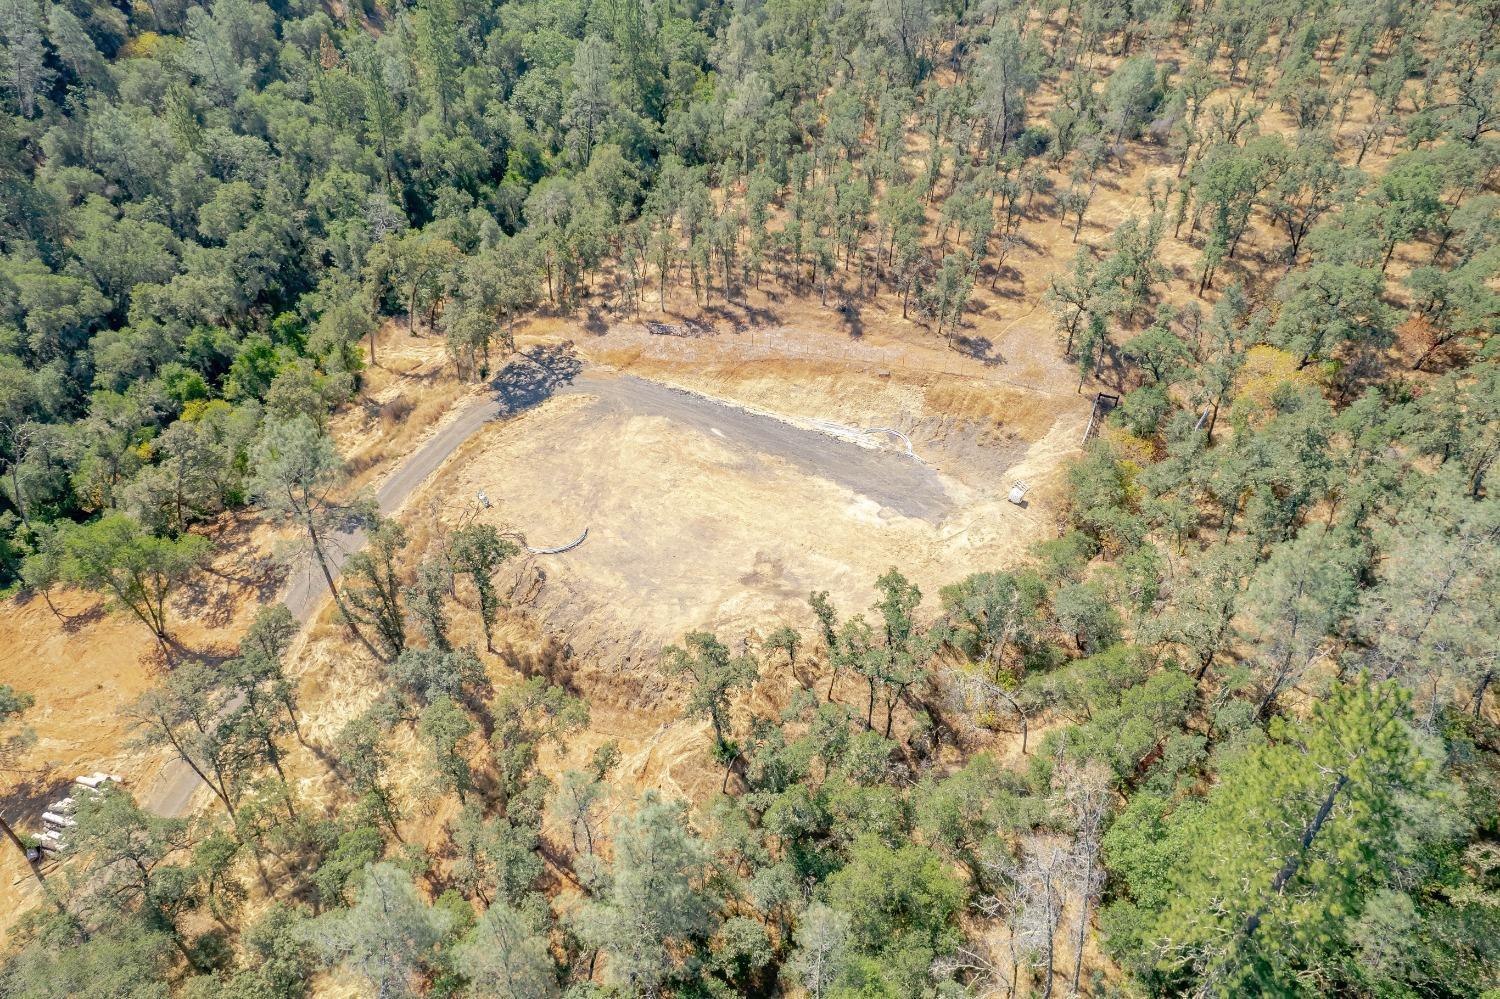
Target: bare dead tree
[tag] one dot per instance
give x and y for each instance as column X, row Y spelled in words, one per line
column 976, row 695
column 980, row 970
column 1033, row 905
column 1003, row 907
column 1084, row 794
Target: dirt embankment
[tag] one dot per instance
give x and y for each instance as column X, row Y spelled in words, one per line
column 724, row 505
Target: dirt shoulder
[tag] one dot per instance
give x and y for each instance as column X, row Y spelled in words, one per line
column 85, row 662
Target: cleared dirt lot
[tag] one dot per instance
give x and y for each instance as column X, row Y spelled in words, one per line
column 704, row 512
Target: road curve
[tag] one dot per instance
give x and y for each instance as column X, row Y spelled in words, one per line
column 173, row 790
column 891, row 479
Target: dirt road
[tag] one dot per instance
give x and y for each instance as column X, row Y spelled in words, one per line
column 173, row 791
column 887, row 476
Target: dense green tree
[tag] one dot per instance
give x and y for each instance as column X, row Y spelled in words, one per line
column 477, row 551
column 140, row 571
column 505, row 955
column 989, row 611
column 1007, row 77
column 526, row 717
column 365, row 761
column 497, row 858
column 901, row 904
column 1289, row 843
column 657, row 908
column 128, row 959
column 413, row 265
column 374, row 586
column 129, row 855
column 715, row 676
column 1201, row 613
column 445, row 728
column 388, row 937
column 1328, row 305
column 430, row 673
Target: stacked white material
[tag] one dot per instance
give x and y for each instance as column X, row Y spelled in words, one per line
column 97, row 778
column 58, row 818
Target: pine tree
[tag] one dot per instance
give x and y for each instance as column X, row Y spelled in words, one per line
column 1280, row 856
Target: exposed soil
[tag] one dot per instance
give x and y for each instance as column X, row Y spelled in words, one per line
column 705, row 514
column 86, row 662
column 689, row 527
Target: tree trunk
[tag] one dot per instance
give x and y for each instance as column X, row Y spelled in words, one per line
column 15, row 488
column 1051, row 963
column 338, row 599
column 182, row 754
column 1203, row 662
column 1078, row 939
column 1294, row 862
column 1072, row 331
column 35, row 868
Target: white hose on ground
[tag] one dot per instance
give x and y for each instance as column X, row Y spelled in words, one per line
column 562, row 548
column 895, row 433
column 851, row 433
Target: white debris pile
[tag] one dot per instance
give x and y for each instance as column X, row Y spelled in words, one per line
column 58, row 818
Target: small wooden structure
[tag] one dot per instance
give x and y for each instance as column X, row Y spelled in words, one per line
column 1104, row 404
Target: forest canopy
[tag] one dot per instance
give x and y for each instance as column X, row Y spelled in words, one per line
column 1231, row 731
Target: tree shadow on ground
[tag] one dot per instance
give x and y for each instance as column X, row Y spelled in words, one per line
column 851, row 320
column 1012, row 288
column 31, row 793
column 72, row 623
column 747, row 317
column 210, row 601
column 532, row 376
column 981, row 348
column 551, row 661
